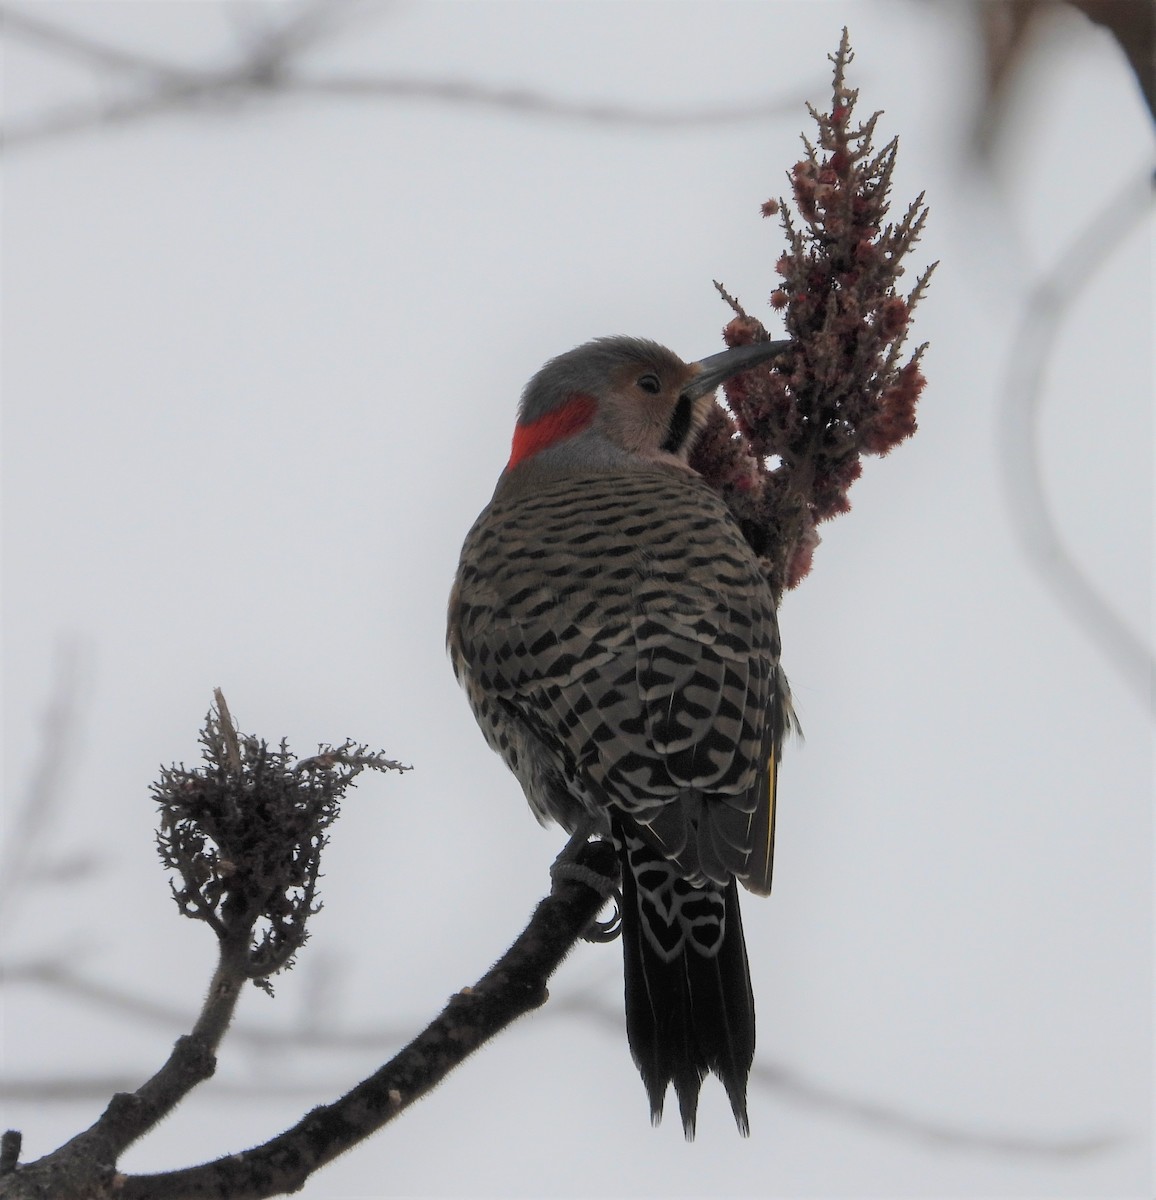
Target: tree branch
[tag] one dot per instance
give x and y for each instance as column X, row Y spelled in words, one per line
column 84, row 1168
column 515, row 985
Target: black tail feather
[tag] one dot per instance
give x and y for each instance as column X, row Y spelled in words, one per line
column 691, row 1014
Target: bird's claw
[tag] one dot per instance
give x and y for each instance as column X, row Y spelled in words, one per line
column 564, row 867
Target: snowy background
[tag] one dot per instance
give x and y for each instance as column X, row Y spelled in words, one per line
column 260, row 362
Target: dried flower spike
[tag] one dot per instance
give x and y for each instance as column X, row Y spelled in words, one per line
column 244, row 834
column 790, row 447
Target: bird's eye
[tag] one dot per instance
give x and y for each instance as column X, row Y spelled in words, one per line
column 650, row 383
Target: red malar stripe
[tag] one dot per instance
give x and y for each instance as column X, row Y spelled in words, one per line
column 564, row 421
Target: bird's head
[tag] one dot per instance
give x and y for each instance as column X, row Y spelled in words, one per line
column 619, row 400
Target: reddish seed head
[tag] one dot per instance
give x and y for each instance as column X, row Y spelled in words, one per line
column 742, row 331
column 803, row 180
column 895, row 419
column 893, row 317
column 841, row 393
column 804, row 554
column 865, row 253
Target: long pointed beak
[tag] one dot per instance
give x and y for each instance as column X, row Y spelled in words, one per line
column 713, row 370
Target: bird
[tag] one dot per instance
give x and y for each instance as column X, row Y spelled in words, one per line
column 618, row 643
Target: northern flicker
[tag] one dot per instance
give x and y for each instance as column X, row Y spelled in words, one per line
column 619, row 646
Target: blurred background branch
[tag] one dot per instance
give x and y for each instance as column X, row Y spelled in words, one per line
column 268, row 64
column 277, row 1046
column 36, row 850
column 1010, row 29
column 1045, row 309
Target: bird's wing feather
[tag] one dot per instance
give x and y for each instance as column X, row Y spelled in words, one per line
column 646, row 651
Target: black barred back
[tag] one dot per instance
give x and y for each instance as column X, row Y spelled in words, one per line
column 614, row 632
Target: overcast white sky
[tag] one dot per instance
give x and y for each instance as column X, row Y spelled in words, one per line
column 260, row 364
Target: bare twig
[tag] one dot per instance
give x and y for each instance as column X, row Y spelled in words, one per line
column 10, row 1142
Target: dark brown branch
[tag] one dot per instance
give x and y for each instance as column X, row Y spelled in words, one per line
column 87, row 1159
column 514, row 986
column 10, row 1142
column 84, row 1167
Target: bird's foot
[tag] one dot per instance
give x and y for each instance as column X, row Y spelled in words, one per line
column 565, row 867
